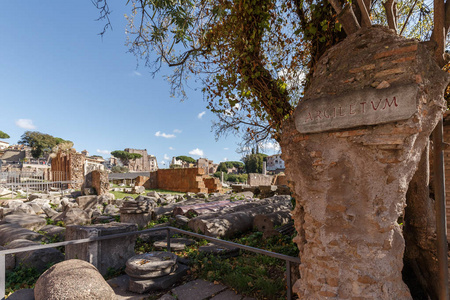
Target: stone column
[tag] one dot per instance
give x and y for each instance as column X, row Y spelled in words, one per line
column 350, row 163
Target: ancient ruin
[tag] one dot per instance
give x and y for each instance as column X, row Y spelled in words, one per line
column 387, row 96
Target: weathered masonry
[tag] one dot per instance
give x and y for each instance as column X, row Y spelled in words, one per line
column 351, row 150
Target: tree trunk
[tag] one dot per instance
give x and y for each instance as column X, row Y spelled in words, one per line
column 351, row 168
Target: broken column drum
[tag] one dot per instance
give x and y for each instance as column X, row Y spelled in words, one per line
column 350, row 150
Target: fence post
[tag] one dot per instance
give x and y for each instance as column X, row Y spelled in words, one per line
column 2, row 276
column 288, row 280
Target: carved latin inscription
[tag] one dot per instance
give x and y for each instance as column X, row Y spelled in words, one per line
column 364, row 107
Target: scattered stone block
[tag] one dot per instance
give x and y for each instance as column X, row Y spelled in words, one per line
column 141, row 220
column 86, row 202
column 38, row 259
column 31, row 222
column 219, row 250
column 10, row 260
column 10, row 232
column 74, row 216
column 176, row 244
column 72, row 279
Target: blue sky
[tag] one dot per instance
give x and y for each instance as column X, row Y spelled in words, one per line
column 58, row 76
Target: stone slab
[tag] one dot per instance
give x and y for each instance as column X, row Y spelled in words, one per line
column 160, row 283
column 31, row 222
column 358, row 108
column 197, row 290
column 23, row 294
column 227, row 295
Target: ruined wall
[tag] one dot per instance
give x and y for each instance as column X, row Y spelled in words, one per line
column 213, row 184
column 100, row 182
column 255, row 179
column 181, row 180
column 141, row 164
column 351, row 150
column 69, row 166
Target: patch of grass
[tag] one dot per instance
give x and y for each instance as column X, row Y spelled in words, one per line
column 21, row 278
column 251, row 274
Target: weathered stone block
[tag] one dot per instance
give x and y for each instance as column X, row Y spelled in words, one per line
column 112, row 253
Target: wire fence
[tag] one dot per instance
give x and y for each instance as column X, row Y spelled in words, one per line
column 14, row 183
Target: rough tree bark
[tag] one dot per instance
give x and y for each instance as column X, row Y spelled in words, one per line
column 350, row 196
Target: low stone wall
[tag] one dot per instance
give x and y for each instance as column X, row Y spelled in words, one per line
column 255, row 179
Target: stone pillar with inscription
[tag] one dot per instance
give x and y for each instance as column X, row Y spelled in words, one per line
column 350, row 150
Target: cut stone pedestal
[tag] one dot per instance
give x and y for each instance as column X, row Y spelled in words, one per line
column 153, row 271
column 151, row 265
column 111, row 253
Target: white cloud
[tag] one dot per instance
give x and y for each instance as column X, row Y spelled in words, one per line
column 177, row 130
column 200, row 115
column 171, row 148
column 105, row 152
column 164, row 135
column 196, row 152
column 166, row 157
column 270, row 146
column 230, row 112
column 226, row 148
column 25, row 124
column 137, row 73
column 163, row 162
column 225, row 159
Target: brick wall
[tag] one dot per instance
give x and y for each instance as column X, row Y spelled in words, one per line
column 213, row 184
column 181, row 180
column 71, row 165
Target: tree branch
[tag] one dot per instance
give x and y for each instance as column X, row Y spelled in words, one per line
column 447, row 17
column 391, row 16
column 407, row 18
column 346, row 16
column 438, row 34
column 365, row 18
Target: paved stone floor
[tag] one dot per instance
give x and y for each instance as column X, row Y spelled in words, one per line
column 192, row 290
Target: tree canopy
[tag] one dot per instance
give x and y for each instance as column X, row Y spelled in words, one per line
column 187, row 159
column 125, row 156
column 4, row 135
column 254, row 162
column 225, row 165
column 42, row 143
column 255, row 57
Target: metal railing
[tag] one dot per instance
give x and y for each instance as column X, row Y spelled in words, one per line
column 29, row 182
column 94, row 251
